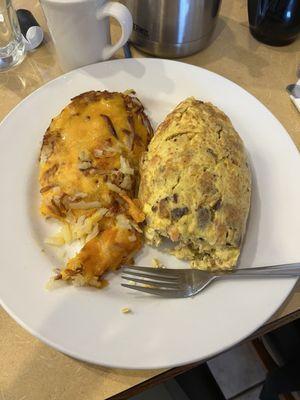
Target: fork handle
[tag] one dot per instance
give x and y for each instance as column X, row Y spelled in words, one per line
column 274, row 270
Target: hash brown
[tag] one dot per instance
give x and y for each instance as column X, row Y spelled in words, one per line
column 89, row 174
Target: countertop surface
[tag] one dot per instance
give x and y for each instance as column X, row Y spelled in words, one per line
column 32, row 370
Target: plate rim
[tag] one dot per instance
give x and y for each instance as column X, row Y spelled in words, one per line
column 72, row 354
column 210, row 355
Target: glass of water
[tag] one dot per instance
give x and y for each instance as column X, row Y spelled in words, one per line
column 12, row 47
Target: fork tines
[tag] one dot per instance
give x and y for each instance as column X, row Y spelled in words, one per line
column 159, row 281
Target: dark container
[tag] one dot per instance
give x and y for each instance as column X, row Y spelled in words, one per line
column 274, row 22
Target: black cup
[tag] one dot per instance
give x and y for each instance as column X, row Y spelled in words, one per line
column 274, row 22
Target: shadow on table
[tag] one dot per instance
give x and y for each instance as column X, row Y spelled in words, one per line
column 227, row 47
column 237, row 45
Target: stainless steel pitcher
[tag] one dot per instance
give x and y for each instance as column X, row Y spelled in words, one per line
column 172, row 28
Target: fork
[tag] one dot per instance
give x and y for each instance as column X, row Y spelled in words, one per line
column 189, row 282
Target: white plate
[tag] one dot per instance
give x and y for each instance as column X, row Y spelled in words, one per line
column 87, row 323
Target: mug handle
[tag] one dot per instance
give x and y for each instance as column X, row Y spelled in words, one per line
column 123, row 16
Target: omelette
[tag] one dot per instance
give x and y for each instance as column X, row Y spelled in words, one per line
column 196, row 186
column 89, row 176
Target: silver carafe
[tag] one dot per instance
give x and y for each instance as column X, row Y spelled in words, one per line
column 172, row 28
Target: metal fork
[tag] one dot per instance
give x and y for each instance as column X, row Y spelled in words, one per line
column 189, row 282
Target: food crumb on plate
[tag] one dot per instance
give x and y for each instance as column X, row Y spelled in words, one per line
column 156, row 263
column 54, row 283
column 126, row 310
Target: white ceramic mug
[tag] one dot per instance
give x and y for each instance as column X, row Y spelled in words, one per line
column 81, row 32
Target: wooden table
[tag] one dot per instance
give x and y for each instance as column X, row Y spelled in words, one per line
column 29, row 369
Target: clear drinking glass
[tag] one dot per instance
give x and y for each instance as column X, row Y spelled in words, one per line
column 12, row 48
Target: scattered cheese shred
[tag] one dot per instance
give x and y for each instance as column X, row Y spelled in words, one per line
column 126, row 310
column 125, row 167
column 55, row 240
column 156, row 263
